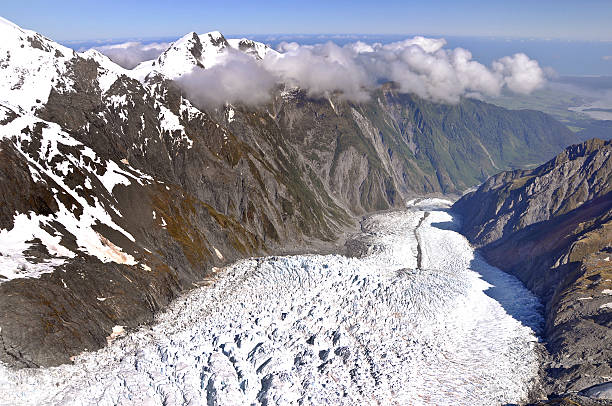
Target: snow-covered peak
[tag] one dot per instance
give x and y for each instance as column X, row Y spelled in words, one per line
column 30, row 65
column 184, row 54
column 256, row 49
column 96, row 56
column 214, row 38
column 6, row 24
column 108, row 71
column 203, row 50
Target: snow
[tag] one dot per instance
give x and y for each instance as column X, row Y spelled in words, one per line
column 3, row 113
column 119, row 102
column 141, row 71
column 256, row 49
column 118, row 331
column 108, row 71
column 607, row 291
column 213, row 48
column 313, row 329
column 606, row 306
column 218, row 253
column 27, row 73
column 190, row 110
column 170, row 122
column 179, row 58
column 230, row 114
column 114, row 176
column 14, row 243
column 81, row 227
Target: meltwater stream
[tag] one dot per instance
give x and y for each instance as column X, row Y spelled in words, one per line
column 313, row 329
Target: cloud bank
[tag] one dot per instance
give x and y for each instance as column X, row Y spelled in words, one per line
column 419, row 65
column 238, row 79
column 130, row 54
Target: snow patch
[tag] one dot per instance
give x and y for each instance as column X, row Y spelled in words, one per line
column 606, row 306
column 218, row 253
column 14, row 243
column 80, row 159
column 170, row 122
column 118, row 331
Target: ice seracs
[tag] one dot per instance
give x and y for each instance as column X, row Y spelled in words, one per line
column 313, row 329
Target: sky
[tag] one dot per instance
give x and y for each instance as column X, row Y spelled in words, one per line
column 86, row 19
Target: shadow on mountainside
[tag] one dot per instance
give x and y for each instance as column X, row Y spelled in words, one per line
column 506, row 289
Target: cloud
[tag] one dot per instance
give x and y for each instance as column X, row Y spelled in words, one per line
column 130, row 54
column 520, row 74
column 321, row 69
column 419, row 65
column 238, row 78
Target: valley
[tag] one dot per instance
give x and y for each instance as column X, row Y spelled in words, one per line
column 228, row 223
column 312, row 329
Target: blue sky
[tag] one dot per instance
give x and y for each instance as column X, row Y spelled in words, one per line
column 86, row 19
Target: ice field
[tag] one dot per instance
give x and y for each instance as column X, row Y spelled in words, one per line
column 421, row 319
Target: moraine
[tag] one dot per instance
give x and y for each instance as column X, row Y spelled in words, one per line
column 314, row 329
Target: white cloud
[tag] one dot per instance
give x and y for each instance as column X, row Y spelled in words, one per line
column 520, row 74
column 418, row 65
column 130, row 54
column 238, row 78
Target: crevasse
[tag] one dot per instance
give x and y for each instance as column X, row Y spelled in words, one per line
column 313, row 329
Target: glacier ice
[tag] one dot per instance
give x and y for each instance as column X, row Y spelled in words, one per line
column 323, row 329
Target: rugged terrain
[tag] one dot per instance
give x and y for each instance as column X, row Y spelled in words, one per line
column 118, row 193
column 418, row 319
column 552, row 228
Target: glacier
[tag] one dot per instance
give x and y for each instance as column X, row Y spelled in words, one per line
column 419, row 318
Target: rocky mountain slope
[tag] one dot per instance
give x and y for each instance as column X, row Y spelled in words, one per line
column 118, row 193
column 552, row 228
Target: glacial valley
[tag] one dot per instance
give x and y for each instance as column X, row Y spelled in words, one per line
column 417, row 318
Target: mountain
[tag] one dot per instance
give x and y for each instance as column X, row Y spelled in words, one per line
column 552, row 227
column 203, row 51
column 118, row 193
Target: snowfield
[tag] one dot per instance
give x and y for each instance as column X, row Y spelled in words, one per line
column 314, row 329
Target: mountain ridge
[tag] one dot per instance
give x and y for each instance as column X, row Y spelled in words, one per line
column 130, row 193
column 552, row 228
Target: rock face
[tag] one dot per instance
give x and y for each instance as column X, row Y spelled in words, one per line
column 552, row 228
column 118, row 193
